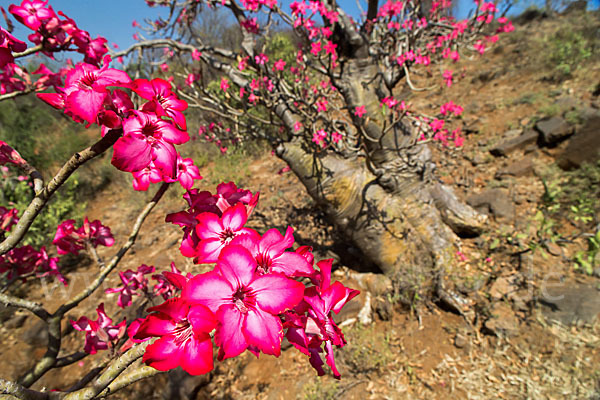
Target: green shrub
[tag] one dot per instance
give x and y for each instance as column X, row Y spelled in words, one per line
column 65, row 204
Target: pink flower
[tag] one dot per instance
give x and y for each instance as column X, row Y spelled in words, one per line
column 187, row 172
column 8, row 218
column 196, row 54
column 315, row 48
column 134, row 283
column 31, row 13
column 216, row 232
column 330, row 48
column 163, row 101
column 148, row 138
column 85, row 89
column 183, row 330
column 8, row 44
column 224, row 84
column 99, row 333
column 312, row 324
column 250, row 25
column 447, row 75
column 71, row 240
column 9, row 155
column 360, row 111
column 336, row 137
column 144, row 177
column 322, row 105
column 279, row 65
column 261, row 59
column 164, row 67
column 246, row 305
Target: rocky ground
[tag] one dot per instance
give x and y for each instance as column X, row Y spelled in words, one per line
column 531, row 330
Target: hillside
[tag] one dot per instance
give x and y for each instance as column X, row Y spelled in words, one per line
column 527, row 289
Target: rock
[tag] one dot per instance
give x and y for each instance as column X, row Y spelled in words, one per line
column 554, row 249
column 494, row 202
column 584, row 146
column 384, row 309
column 508, row 146
column 460, row 341
column 520, row 168
column 376, row 284
column 6, row 312
column 478, row 159
column 570, row 303
column 503, row 321
column 182, row 385
column 513, row 133
column 566, row 103
column 503, row 287
column 587, row 113
column 553, row 130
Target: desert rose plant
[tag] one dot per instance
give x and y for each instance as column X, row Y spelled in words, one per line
column 329, row 110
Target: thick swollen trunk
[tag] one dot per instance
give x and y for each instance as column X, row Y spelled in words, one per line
column 405, row 233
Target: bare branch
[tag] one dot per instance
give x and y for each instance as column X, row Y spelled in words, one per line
column 112, row 372
column 35, row 308
column 20, row 392
column 132, row 377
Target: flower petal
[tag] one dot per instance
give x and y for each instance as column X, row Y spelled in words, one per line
column 197, row 355
column 131, row 153
column 164, row 354
column 275, row 293
column 209, row 289
column 237, row 265
column 264, row 331
column 229, row 336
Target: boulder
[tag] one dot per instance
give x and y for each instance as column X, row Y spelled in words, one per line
column 584, row 146
column 519, row 168
column 493, row 201
column 503, row 321
column 553, row 130
column 514, row 143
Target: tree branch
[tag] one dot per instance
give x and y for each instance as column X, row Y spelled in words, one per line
column 35, row 308
column 111, row 373
column 20, row 392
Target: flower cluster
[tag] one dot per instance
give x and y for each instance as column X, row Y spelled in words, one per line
column 100, row 334
column 55, row 33
column 8, row 44
column 150, row 133
column 71, row 240
column 135, row 283
column 25, row 261
column 248, row 299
